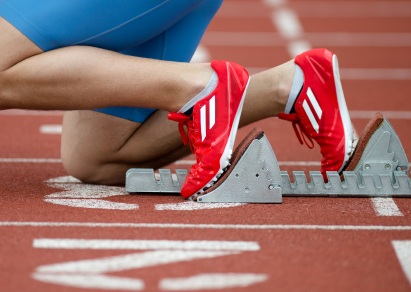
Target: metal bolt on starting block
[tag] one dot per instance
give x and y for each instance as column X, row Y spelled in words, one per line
column 378, row 168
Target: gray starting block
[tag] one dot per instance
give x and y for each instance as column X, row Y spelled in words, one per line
column 379, row 169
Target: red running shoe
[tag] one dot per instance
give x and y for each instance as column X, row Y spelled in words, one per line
column 212, row 127
column 320, row 110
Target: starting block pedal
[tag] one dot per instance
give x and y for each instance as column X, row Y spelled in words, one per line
column 377, row 168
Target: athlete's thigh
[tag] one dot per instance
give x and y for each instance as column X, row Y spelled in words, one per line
column 177, row 43
column 158, row 136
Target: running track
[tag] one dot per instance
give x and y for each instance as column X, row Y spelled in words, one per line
column 59, row 235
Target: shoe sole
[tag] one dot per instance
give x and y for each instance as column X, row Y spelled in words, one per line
column 342, row 105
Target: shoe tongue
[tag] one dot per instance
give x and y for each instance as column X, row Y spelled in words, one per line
column 189, row 112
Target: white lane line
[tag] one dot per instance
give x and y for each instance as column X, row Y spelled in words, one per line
column 336, row 9
column 288, row 24
column 94, row 272
column 375, row 73
column 211, row 281
column 189, row 206
column 178, row 162
column 321, row 9
column 358, row 74
column 68, row 243
column 281, row 163
column 317, row 39
column 18, row 112
column 51, row 129
column 391, row 115
column 386, row 207
column 201, row 55
column 403, row 250
column 208, row 226
column 30, row 160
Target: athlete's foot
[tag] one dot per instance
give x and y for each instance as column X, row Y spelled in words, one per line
column 320, row 110
column 212, row 126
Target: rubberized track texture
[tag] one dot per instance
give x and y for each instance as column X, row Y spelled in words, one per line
column 60, row 235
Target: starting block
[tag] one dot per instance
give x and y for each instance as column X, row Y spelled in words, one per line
column 377, row 168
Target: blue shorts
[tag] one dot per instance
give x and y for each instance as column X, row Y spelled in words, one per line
column 158, row 29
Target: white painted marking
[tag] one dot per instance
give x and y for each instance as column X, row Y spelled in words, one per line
column 211, row 281
column 287, row 23
column 362, row 73
column 92, row 204
column 314, row 103
column 160, row 252
column 68, row 243
column 289, row 26
column 403, row 250
column 297, row 47
column 273, row 3
column 131, row 261
column 385, row 207
column 51, row 129
column 321, row 9
column 30, row 160
column 189, row 206
column 79, row 195
column 63, row 179
column 84, row 191
column 310, row 116
column 375, row 73
column 208, row 226
column 87, row 280
column 320, row 39
column 336, row 9
column 391, row 115
column 201, row 55
column 18, row 112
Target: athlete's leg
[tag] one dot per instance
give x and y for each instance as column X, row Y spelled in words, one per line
column 27, row 49
column 107, row 147
column 87, row 78
column 99, row 148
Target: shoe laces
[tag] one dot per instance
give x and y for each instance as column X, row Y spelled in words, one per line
column 299, row 131
column 191, row 136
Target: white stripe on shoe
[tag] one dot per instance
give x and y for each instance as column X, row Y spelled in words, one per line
column 314, row 103
column 203, row 122
column 212, row 112
column 310, row 116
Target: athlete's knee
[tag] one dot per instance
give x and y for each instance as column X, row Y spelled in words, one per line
column 9, row 90
column 5, row 96
column 91, row 171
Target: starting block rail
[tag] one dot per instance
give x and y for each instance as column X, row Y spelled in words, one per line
column 378, row 168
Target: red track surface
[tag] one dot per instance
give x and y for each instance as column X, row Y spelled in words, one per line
column 304, row 244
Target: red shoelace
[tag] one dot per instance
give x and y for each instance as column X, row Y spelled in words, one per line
column 190, row 137
column 299, row 131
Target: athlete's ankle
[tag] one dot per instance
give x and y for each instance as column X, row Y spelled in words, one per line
column 286, row 93
column 199, row 82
